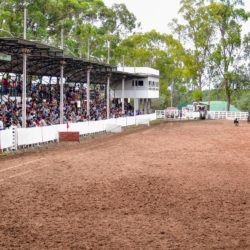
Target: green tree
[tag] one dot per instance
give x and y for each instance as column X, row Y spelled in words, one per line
column 197, row 95
column 196, row 33
column 227, row 17
column 159, row 51
column 242, row 102
column 212, row 36
column 82, row 21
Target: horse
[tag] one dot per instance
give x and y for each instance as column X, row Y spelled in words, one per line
column 236, row 122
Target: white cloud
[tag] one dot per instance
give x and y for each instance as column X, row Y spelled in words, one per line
column 157, row 14
column 154, row 14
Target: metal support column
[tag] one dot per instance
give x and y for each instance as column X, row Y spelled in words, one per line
column 135, row 97
column 142, row 104
column 108, row 96
column 24, row 88
column 123, row 87
column 147, row 106
column 61, row 93
column 88, row 93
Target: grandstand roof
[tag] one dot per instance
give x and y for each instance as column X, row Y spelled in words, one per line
column 44, row 60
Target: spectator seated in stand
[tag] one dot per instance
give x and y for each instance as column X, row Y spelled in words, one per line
column 42, row 106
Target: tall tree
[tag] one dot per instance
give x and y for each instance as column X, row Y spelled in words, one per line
column 196, row 33
column 159, row 51
column 212, row 35
column 83, row 21
column 227, row 17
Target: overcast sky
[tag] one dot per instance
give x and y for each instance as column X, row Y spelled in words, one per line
column 156, row 14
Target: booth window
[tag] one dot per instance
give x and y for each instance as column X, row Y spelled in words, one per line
column 140, row 83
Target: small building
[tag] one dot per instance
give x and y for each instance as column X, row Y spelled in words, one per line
column 142, row 88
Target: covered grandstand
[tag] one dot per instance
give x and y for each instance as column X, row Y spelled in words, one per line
column 31, row 59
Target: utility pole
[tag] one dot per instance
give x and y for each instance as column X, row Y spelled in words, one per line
column 123, row 63
column 88, row 55
column 62, row 38
column 108, row 52
column 25, row 22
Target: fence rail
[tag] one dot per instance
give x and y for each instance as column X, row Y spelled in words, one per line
column 214, row 115
column 227, row 115
column 17, row 137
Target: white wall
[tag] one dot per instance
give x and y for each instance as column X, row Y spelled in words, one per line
column 150, row 88
column 32, row 136
column 140, row 70
column 150, row 94
column 6, row 139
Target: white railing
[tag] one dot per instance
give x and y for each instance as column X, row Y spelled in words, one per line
column 160, row 114
column 14, row 138
column 6, row 139
column 213, row 115
column 176, row 114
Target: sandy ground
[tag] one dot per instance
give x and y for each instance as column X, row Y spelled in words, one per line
column 170, row 186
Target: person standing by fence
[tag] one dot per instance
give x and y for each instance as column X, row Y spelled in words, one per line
column 1, row 123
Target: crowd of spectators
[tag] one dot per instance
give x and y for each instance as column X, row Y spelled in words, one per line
column 42, row 106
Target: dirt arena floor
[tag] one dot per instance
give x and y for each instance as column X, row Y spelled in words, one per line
column 170, row 186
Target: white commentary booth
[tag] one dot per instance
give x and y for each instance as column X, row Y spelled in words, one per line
column 142, row 89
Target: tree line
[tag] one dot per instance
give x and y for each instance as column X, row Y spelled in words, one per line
column 207, row 49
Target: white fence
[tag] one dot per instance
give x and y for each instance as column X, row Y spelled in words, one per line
column 214, row 115
column 6, row 138
column 13, row 138
column 160, row 114
column 176, row 114
column 227, row 115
